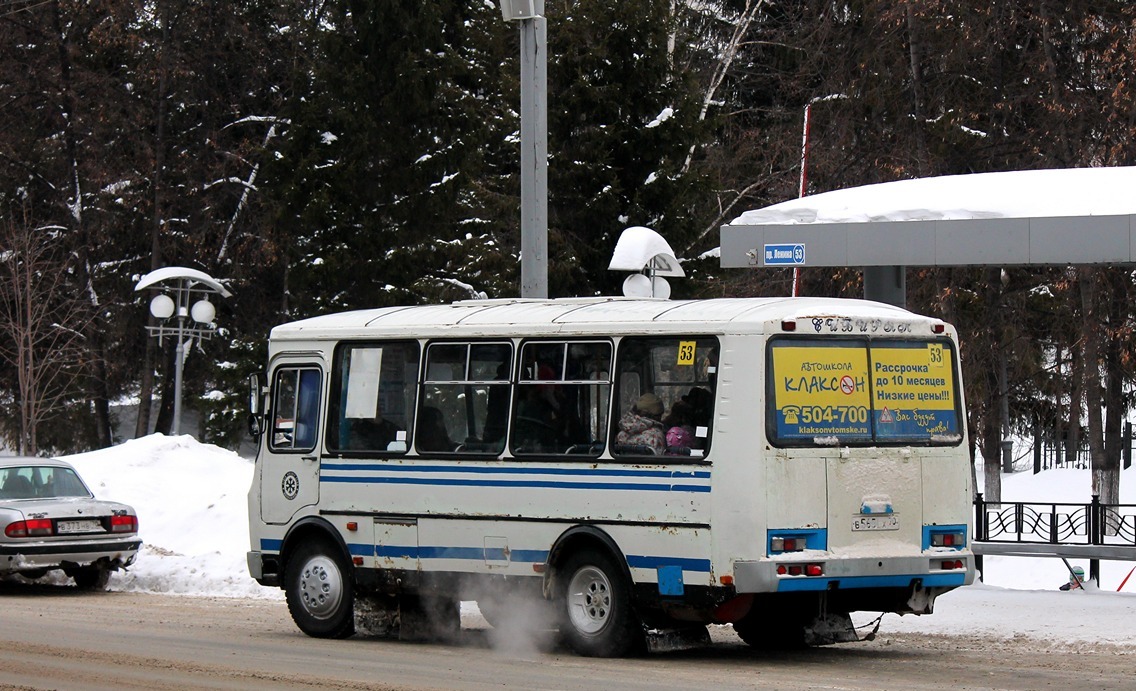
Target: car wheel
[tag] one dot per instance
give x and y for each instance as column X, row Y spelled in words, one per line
column 91, row 578
column 319, row 591
column 597, row 617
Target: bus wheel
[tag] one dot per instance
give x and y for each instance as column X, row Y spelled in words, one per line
column 319, row 591
column 598, row 619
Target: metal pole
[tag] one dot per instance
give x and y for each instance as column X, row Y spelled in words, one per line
column 179, row 353
column 803, row 187
column 534, row 156
column 886, row 284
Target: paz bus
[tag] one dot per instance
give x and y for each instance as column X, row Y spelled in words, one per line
column 411, row 458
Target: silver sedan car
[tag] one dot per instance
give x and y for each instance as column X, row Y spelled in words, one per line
column 52, row 521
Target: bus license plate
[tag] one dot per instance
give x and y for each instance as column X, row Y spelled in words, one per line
column 882, row 522
column 73, row 527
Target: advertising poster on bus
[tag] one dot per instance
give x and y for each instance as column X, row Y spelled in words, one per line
column 913, row 390
column 821, row 390
column 862, row 391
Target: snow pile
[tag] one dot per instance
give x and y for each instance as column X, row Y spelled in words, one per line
column 192, row 504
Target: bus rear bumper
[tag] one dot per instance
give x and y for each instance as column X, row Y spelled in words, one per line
column 780, row 575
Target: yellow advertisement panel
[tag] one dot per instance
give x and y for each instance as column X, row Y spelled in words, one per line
column 889, row 391
column 913, row 390
column 821, row 390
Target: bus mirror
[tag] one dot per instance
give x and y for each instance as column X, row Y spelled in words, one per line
column 255, row 428
column 256, row 395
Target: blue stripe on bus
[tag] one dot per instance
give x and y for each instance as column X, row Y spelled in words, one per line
column 517, row 555
column 515, row 470
column 647, row 562
column 457, row 482
column 793, row 585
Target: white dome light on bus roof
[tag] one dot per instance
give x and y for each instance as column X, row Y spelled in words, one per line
column 644, row 251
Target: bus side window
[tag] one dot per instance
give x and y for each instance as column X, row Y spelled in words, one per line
column 465, row 398
column 680, row 373
column 562, row 398
column 372, row 404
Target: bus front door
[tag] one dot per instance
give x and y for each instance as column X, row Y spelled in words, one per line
column 290, row 470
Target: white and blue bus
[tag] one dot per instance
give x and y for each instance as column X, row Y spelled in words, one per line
column 633, row 465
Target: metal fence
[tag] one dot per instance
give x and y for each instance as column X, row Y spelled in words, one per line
column 1052, row 529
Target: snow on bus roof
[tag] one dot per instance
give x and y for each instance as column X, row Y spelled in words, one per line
column 509, row 314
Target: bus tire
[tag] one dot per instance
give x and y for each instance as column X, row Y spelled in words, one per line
column 597, row 619
column 319, row 591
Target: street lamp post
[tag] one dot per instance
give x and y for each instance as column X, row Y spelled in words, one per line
column 178, row 318
column 534, row 143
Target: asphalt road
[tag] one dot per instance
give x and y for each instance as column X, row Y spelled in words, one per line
column 54, row 637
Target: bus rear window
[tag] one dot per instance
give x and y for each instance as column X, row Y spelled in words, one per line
column 860, row 392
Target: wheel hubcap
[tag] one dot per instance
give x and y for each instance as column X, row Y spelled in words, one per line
column 589, row 600
column 321, row 587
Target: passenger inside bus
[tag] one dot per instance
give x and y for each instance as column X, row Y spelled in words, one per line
column 372, row 434
column 701, row 403
column 641, row 428
column 432, row 433
column 538, row 425
column 679, row 424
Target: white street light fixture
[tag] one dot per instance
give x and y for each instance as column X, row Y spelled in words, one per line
column 162, row 306
column 172, row 308
column 203, row 312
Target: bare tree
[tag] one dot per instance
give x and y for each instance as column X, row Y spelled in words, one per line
column 42, row 318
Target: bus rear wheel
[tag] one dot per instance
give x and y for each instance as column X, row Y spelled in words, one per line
column 319, row 591
column 597, row 617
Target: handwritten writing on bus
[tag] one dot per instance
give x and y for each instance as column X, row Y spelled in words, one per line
column 858, row 390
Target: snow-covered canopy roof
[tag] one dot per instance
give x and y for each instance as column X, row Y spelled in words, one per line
column 1067, row 216
column 1016, row 194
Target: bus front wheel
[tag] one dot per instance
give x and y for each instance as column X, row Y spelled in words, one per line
column 597, row 616
column 319, row 591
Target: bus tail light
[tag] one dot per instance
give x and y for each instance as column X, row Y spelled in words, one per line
column 947, row 539
column 786, row 544
column 952, row 564
column 800, row 569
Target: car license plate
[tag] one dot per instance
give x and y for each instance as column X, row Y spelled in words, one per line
column 888, row 521
column 73, row 527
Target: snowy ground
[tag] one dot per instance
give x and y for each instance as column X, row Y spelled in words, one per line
column 191, row 500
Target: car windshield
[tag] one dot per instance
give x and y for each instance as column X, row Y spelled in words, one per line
column 40, row 482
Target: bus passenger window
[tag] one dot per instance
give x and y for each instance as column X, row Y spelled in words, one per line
column 562, row 398
column 680, row 372
column 373, row 401
column 465, row 398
